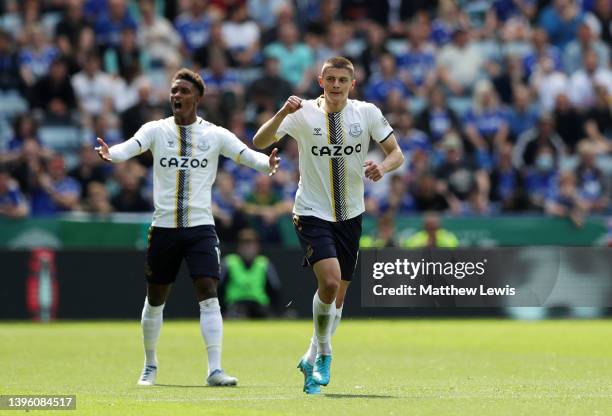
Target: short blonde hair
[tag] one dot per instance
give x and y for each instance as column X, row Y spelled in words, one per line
column 339, row 62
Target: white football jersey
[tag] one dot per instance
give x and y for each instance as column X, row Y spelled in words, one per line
column 333, row 149
column 184, row 169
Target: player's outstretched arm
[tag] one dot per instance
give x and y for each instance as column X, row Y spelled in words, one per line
column 266, row 135
column 119, row 152
column 393, row 160
column 259, row 161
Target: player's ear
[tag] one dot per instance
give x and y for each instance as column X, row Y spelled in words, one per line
column 320, row 79
column 353, row 84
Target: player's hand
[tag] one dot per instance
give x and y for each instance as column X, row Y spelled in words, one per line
column 274, row 161
column 373, row 171
column 103, row 150
column 292, row 104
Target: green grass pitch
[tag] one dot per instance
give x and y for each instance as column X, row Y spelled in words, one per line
column 398, row 367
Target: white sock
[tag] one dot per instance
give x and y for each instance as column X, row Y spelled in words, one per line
column 311, row 353
column 337, row 318
column 211, row 325
column 151, row 321
column 323, row 314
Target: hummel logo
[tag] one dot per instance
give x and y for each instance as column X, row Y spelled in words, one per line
column 317, row 131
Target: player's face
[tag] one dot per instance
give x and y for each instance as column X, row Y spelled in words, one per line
column 184, row 98
column 336, row 84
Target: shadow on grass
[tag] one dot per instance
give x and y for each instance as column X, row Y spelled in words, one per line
column 358, row 396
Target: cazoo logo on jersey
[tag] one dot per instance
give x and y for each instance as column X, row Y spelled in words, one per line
column 182, row 162
column 335, row 150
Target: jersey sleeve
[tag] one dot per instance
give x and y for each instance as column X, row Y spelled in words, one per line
column 139, row 143
column 231, row 146
column 378, row 125
column 289, row 126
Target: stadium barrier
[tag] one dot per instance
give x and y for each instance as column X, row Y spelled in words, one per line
column 129, row 231
column 44, row 284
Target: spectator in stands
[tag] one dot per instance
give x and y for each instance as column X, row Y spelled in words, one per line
column 583, row 81
column 12, row 201
column 219, row 79
column 541, row 49
column 264, row 206
column 540, row 178
column 29, row 162
column 437, row 119
column 548, row 82
column 130, row 198
column 227, row 208
column 523, row 115
column 568, row 122
column 36, row 56
column 123, row 58
column 486, row 126
column 249, row 284
column 53, row 93
column 73, row 22
column 382, row 83
column 587, row 39
column 241, row 35
column 507, row 190
column 463, row 184
column 591, row 182
column 398, row 201
column 53, row 190
column 602, row 10
column 138, row 114
column 109, row 24
column 598, row 120
column 269, row 92
column 564, row 201
column 417, row 64
column 385, row 234
column 105, row 125
column 506, row 9
column 432, row 235
column 510, row 76
column 97, row 201
column 460, row 63
column 25, row 127
column 215, row 46
column 157, row 35
column 295, row 57
column 443, row 25
column 560, row 19
column 409, row 138
column 89, row 169
column 543, row 135
column 374, row 48
column 334, row 42
column 265, row 12
column 426, row 195
column 10, row 77
column 93, row 88
column 193, row 26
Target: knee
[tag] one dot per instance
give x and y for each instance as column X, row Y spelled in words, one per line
column 206, row 288
column 331, row 283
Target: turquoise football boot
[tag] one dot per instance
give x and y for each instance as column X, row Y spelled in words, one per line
column 321, row 370
column 310, row 387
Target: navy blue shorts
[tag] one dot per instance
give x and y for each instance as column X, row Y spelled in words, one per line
column 322, row 239
column 167, row 247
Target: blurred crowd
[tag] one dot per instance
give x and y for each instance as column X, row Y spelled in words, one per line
column 500, row 106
